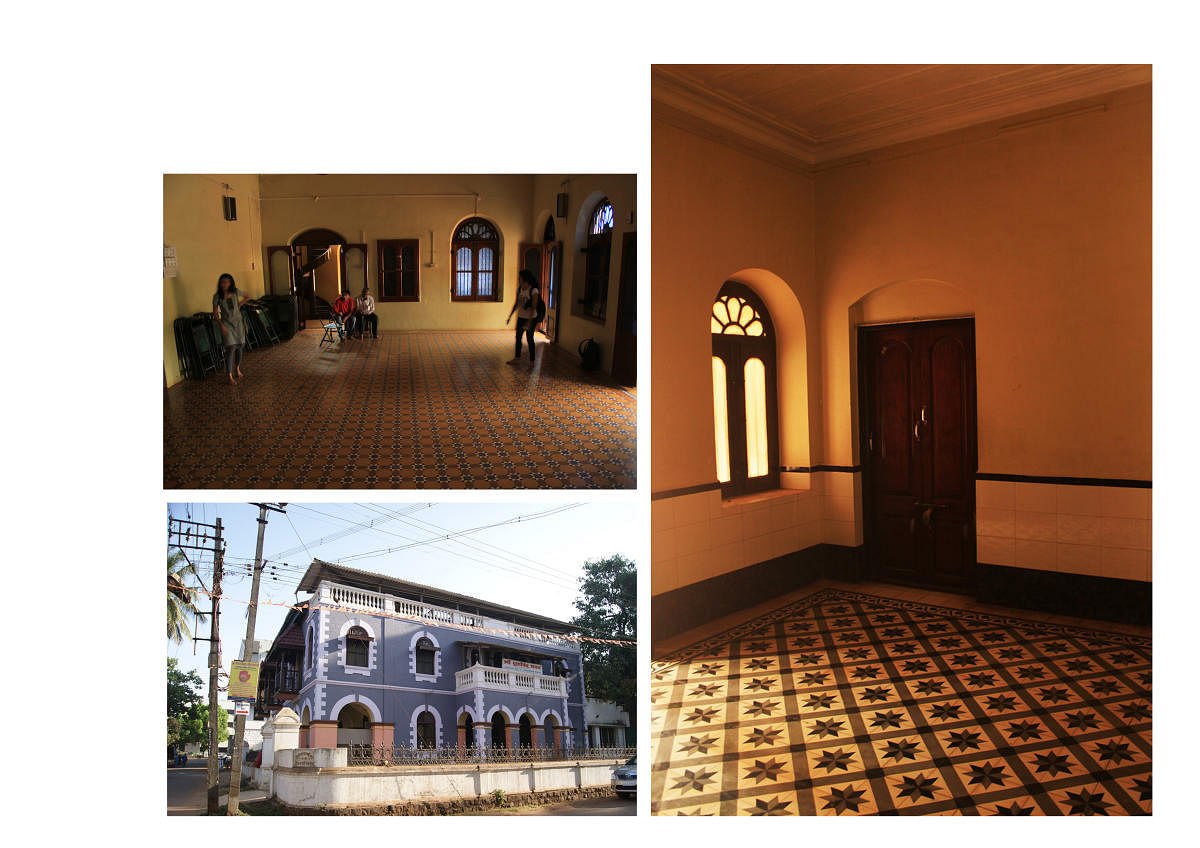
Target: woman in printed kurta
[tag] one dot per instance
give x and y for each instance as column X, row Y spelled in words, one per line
column 227, row 309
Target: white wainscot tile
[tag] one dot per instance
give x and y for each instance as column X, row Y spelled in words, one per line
column 690, row 509
column 662, row 514
column 994, row 522
column 1081, row 500
column 1121, row 502
column 1079, row 529
column 1125, row 533
column 1035, row 497
column 1042, row 526
column 692, row 538
column 1079, row 559
column 662, row 544
column 664, row 575
column 1125, row 563
column 994, row 551
column 995, row 494
column 1028, row 553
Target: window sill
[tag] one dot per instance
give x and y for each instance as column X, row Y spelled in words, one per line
column 760, row 497
column 425, row 678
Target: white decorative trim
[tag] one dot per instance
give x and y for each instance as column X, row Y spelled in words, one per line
column 465, row 708
column 371, row 646
column 437, row 657
column 437, row 724
column 547, row 714
column 323, row 653
column 319, row 703
column 500, row 708
column 533, row 716
column 376, row 715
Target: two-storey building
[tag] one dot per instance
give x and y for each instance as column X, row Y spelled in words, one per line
column 374, row 659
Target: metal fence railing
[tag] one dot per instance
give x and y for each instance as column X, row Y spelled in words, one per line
column 403, row 755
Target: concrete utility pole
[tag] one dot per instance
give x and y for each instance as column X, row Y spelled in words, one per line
column 214, row 668
column 239, row 722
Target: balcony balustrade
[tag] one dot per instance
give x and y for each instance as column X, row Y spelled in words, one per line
column 382, row 604
column 508, row 680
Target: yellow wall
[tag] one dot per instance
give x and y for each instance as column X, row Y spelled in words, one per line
column 1045, row 232
column 720, row 214
column 207, row 246
column 1041, row 233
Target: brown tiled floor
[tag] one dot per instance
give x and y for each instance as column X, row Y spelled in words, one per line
column 874, row 699
column 419, row 410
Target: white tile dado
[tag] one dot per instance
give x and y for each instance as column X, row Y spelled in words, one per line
column 1073, row 529
column 1042, row 526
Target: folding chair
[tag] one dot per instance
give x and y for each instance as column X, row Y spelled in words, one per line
column 331, row 331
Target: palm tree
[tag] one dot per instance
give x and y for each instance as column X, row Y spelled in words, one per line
column 181, row 597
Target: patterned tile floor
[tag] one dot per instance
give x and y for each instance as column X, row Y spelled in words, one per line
column 849, row 703
column 419, row 410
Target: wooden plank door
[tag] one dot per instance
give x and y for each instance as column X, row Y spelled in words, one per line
column 624, row 367
column 919, row 451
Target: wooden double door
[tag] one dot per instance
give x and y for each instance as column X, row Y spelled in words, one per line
column 918, row 444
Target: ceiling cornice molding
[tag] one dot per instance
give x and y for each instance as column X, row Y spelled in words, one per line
column 682, row 102
column 686, row 102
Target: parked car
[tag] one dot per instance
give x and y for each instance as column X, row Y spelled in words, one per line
column 624, row 779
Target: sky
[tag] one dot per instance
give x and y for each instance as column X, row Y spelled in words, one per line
column 533, row 564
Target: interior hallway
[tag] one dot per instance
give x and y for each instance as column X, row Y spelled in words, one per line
column 870, row 698
column 417, row 409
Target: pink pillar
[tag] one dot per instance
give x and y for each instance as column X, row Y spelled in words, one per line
column 514, row 736
column 538, row 738
column 383, row 733
column 322, row 734
column 462, row 736
column 304, row 736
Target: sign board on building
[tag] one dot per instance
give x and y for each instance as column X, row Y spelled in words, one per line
column 242, row 708
column 517, row 665
column 170, row 262
column 243, row 680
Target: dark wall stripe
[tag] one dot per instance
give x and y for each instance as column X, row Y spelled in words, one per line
column 810, row 469
column 686, row 490
column 1066, row 481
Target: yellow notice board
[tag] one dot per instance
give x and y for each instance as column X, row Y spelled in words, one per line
column 243, row 679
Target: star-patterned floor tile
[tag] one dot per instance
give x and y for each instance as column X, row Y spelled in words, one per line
column 912, row 704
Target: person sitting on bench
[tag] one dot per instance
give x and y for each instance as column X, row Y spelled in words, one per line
column 343, row 308
column 364, row 314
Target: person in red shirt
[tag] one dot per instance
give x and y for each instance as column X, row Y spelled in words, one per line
column 343, row 308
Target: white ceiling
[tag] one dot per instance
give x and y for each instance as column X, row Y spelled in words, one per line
column 813, row 114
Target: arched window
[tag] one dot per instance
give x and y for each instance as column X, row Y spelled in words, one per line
column 745, row 416
column 426, row 654
column 426, row 730
column 599, row 248
column 476, row 258
column 526, row 731
column 358, row 644
column 468, row 726
column 309, row 656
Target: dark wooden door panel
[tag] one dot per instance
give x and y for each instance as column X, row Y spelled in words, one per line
column 918, row 449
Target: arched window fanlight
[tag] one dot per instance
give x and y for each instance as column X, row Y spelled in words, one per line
column 745, row 417
column 475, row 253
column 426, row 656
column 602, row 217
column 358, row 644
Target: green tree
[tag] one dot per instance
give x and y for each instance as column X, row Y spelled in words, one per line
column 182, row 596
column 607, row 606
column 182, row 689
column 193, row 727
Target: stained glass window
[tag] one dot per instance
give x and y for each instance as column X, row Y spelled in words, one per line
column 744, row 403
column 602, row 218
column 475, row 251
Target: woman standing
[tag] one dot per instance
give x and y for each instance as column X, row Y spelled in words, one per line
column 526, row 308
column 227, row 309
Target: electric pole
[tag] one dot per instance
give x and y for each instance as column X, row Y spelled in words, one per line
column 239, row 722
column 214, row 668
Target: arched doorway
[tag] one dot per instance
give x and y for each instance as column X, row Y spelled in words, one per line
column 466, row 731
column 525, row 731
column 354, row 725
column 316, row 266
column 551, row 730
column 499, row 730
column 305, row 718
column 426, row 730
